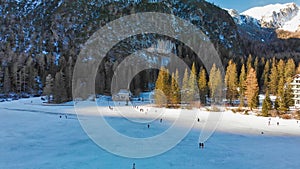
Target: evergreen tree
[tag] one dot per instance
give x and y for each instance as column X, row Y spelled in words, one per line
column 265, row 76
column 219, row 86
column 256, row 66
column 249, row 63
column 24, row 79
column 252, row 89
column 59, row 91
column 211, row 82
column 280, row 95
column 160, row 96
column 242, row 85
column 29, row 68
column 203, row 89
column 7, row 81
column 185, row 87
column 16, row 84
column 192, row 83
column 273, row 78
column 267, row 105
column 281, row 69
column 215, row 84
column 48, row 89
column 288, row 94
column 231, row 81
column 289, row 75
column 69, row 76
column 175, row 89
column 289, row 71
column 167, row 85
column 284, row 95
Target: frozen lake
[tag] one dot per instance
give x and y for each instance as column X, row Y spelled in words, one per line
column 33, row 139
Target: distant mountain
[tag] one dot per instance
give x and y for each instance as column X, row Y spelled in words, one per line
column 278, row 16
column 271, row 30
column 284, row 17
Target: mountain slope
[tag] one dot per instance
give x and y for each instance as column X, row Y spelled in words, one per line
column 50, row 34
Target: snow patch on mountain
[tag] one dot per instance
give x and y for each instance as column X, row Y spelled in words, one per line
column 278, row 16
column 241, row 19
column 266, row 12
column 293, row 24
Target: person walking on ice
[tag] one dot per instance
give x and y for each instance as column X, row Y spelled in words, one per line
column 201, row 145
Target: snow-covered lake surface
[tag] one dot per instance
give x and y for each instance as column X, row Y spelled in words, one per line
column 33, row 136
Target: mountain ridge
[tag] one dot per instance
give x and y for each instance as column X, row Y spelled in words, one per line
column 285, row 17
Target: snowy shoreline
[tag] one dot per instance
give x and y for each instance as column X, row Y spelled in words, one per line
column 229, row 123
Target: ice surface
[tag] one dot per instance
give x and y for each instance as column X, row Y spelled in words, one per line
column 34, row 136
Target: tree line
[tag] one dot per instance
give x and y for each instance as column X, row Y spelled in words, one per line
column 243, row 80
column 242, row 83
column 38, row 76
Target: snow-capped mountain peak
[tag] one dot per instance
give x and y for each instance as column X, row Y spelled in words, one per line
column 278, row 16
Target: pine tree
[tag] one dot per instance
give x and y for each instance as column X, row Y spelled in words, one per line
column 288, row 94
column 185, row 87
column 219, row 86
column 212, row 81
column 48, row 89
column 59, row 91
column 281, row 96
column 252, row 89
column 203, row 89
column 160, row 96
column 289, row 71
column 24, row 79
column 256, row 66
column 281, row 69
column 175, row 89
column 69, row 76
column 284, row 95
column 267, row 105
column 273, row 78
column 32, row 75
column 167, row 85
column 242, row 86
column 249, row 63
column 215, row 84
column 231, row 81
column 7, row 81
column 265, row 76
column 289, row 74
column 16, row 84
column 192, row 83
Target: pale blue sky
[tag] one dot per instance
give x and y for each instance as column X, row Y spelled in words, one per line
column 242, row 5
